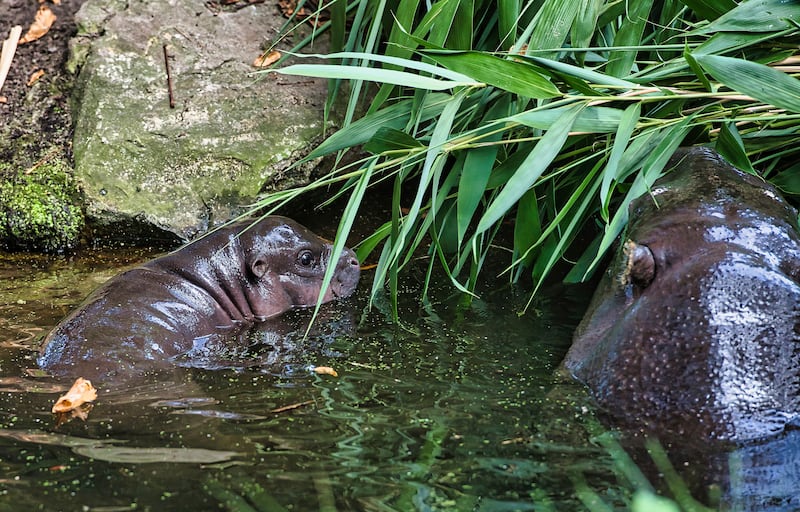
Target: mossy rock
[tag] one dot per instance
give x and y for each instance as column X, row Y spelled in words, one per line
column 38, row 208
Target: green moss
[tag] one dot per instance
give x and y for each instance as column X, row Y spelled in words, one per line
column 38, row 208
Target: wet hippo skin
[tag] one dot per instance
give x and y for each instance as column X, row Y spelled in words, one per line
column 694, row 329
column 217, row 286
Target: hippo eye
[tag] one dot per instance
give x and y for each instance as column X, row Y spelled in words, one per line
column 306, row 258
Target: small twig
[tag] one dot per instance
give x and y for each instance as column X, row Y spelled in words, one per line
column 169, row 78
column 9, row 48
column 292, row 406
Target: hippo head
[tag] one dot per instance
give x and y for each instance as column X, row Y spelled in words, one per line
column 694, row 328
column 286, row 263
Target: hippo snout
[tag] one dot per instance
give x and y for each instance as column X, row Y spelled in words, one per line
column 348, row 272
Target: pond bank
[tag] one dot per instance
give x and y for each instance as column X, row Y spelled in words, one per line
column 141, row 167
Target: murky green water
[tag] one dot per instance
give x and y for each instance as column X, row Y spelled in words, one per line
column 457, row 409
column 439, row 413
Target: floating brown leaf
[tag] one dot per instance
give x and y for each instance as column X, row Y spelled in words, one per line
column 267, row 59
column 325, row 370
column 41, row 25
column 81, row 392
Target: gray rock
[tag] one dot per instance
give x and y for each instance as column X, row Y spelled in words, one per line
column 183, row 169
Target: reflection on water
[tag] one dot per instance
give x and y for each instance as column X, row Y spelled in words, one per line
column 456, row 409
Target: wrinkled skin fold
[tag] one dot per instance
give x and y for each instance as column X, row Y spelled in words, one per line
column 694, row 328
column 217, row 286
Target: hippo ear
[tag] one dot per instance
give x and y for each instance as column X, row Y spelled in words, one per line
column 642, row 264
column 259, row 267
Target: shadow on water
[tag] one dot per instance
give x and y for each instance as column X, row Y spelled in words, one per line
column 454, row 410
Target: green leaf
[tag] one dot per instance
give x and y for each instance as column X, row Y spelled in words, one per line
column 527, row 226
column 478, row 166
column 756, row 16
column 757, row 80
column 695, row 67
column 388, row 139
column 531, row 169
column 611, row 172
column 464, row 19
column 590, row 119
column 620, row 62
column 387, row 76
column 510, row 75
column 583, row 29
column 587, row 74
column 345, row 225
column 709, row 9
column 397, row 63
column 551, row 25
column 395, row 116
column 507, row 18
column 366, row 246
column 729, row 144
column 442, row 24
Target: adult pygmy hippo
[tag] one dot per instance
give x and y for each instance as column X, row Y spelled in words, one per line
column 217, row 286
column 694, row 330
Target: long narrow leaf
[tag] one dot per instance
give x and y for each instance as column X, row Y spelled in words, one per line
column 531, row 169
column 620, row 62
column 589, row 119
column 651, row 170
column 397, row 63
column 395, row 116
column 757, row 80
column 610, row 173
column 756, row 16
column 512, row 76
column 386, row 76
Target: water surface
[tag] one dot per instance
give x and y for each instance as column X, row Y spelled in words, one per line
column 455, row 409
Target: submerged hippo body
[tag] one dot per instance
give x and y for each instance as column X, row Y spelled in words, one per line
column 218, row 286
column 694, row 330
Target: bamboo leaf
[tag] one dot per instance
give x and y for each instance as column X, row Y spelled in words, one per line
column 710, row 9
column 527, row 226
column 463, row 20
column 729, row 144
column 395, row 116
column 620, row 62
column 388, row 139
column 583, row 29
column 624, row 131
column 478, row 166
column 589, row 119
column 396, row 63
column 550, row 27
column 757, row 80
column 531, row 169
column 345, row 225
column 756, row 16
column 387, row 76
column 366, row 246
column 508, row 12
column 440, row 29
column 587, row 74
column 512, row 76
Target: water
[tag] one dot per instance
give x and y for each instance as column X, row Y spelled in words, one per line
column 455, row 409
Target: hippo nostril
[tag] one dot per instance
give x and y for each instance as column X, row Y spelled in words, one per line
column 354, row 262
